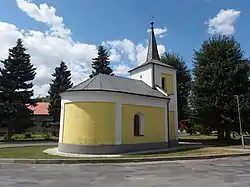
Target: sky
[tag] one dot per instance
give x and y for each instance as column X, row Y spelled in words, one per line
column 70, row 31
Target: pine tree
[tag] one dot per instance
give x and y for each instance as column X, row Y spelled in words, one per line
column 101, row 63
column 220, row 72
column 60, row 83
column 42, row 99
column 183, row 76
column 16, row 90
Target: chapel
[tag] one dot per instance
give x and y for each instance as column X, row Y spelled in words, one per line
column 109, row 114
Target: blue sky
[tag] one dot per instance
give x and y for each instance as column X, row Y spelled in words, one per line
column 55, row 30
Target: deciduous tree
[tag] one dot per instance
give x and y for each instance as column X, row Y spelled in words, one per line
column 220, row 72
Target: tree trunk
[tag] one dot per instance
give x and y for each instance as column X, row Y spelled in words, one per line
column 9, row 133
column 221, row 131
column 228, row 137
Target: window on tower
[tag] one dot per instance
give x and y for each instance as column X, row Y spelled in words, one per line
column 163, row 82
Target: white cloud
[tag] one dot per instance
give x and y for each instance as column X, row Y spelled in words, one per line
column 127, row 49
column 50, row 47
column 223, row 22
column 124, row 47
column 121, row 69
column 115, row 56
column 45, row 14
column 141, row 52
column 47, row 49
column 159, row 32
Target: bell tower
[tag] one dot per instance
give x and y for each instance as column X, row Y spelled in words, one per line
column 159, row 75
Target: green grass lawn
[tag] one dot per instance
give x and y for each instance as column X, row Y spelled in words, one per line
column 26, row 152
column 37, row 153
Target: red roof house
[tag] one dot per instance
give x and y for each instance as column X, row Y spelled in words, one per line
column 40, row 109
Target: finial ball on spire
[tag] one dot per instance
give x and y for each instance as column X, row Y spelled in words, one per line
column 152, row 24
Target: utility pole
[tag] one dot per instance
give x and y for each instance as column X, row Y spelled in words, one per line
column 241, row 135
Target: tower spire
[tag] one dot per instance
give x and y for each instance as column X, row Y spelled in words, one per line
column 152, row 46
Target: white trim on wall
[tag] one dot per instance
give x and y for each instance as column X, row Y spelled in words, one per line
column 102, row 96
column 118, row 124
column 61, row 122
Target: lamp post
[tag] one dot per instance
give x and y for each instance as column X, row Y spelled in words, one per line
column 241, row 135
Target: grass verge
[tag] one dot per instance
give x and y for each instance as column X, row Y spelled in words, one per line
column 37, row 153
column 198, row 137
column 239, row 147
column 34, row 152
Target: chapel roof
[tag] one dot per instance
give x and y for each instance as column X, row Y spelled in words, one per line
column 103, row 82
column 152, row 55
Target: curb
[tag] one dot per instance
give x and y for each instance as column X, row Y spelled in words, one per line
column 116, row 160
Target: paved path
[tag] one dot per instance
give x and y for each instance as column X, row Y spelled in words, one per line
column 233, row 172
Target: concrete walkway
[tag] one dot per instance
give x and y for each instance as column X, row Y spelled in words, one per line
column 54, row 151
column 182, row 146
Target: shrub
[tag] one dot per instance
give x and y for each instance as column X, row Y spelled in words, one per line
column 31, row 136
column 18, row 137
column 47, row 136
column 27, row 135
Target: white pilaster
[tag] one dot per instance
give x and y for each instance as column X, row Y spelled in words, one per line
column 118, row 123
column 61, row 122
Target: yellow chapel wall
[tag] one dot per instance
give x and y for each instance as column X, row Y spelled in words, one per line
column 89, row 123
column 154, row 124
column 79, row 113
column 169, row 83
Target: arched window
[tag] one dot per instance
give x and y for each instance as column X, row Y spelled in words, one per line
column 138, row 125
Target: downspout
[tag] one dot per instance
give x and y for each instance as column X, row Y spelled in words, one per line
column 169, row 144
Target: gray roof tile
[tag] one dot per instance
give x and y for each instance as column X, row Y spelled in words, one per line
column 104, row 82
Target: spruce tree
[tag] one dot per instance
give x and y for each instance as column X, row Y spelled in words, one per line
column 220, row 72
column 101, row 63
column 60, row 83
column 16, row 90
column 183, row 76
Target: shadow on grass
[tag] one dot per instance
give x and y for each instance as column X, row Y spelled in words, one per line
column 181, row 149
column 212, row 142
